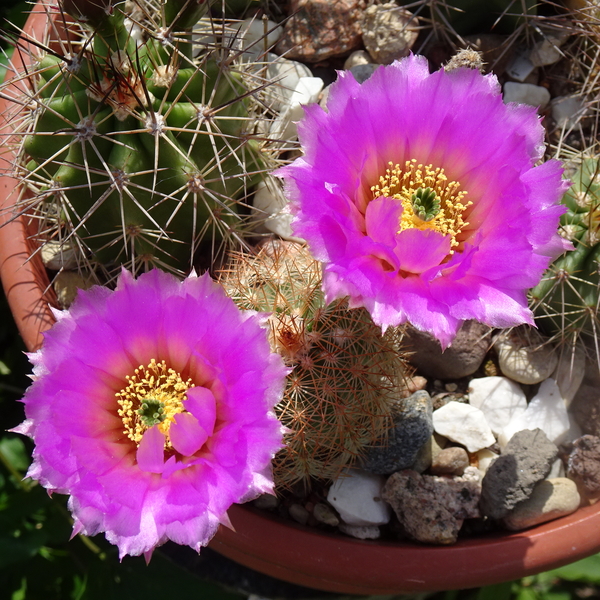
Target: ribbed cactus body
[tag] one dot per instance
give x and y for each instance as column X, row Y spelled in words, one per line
column 144, row 150
column 566, row 299
column 346, row 376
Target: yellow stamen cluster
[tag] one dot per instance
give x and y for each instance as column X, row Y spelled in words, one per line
column 403, row 182
column 155, row 384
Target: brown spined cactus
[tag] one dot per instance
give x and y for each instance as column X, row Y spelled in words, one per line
column 346, row 375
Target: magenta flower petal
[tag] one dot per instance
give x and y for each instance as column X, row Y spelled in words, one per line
column 420, row 251
column 152, row 407
column 150, row 455
column 420, row 194
column 187, row 435
column 202, row 404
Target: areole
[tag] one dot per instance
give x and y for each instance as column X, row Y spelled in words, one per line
column 301, row 555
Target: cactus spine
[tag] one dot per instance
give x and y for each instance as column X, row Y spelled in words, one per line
column 567, row 299
column 138, row 144
column 346, row 375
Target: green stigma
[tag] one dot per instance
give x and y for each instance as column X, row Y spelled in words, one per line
column 425, row 204
column 151, row 412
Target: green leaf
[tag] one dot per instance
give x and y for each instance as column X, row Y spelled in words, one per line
column 17, row 549
column 500, row 591
column 14, row 452
column 587, row 570
column 526, row 593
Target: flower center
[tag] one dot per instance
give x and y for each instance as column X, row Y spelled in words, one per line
column 154, row 396
column 429, row 200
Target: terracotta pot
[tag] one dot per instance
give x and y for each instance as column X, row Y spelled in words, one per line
column 282, row 549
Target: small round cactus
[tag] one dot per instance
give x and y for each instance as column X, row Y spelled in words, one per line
column 346, row 376
column 566, row 300
column 138, row 143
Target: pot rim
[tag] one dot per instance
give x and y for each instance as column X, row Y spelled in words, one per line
column 282, row 549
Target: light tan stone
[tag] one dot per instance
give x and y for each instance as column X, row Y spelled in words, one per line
column 550, row 499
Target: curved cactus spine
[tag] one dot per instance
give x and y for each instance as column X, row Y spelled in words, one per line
column 346, row 375
column 136, row 149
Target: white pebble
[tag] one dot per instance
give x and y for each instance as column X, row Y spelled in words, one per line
column 356, row 495
column 546, row 411
column 306, row 92
column 285, row 75
column 471, row 474
column 520, row 68
column 499, row 398
column 364, row 532
column 463, row 424
column 545, row 53
column 485, row 458
column 257, row 37
column 271, row 211
column 526, row 93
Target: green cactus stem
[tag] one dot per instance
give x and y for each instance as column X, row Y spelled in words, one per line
column 566, row 300
column 139, row 150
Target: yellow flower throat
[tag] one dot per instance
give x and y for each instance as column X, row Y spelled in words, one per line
column 154, row 396
column 429, row 200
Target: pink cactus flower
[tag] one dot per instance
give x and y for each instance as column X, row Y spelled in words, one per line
column 418, row 192
column 152, row 407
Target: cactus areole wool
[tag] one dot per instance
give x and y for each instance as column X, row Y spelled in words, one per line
column 152, row 407
column 420, row 194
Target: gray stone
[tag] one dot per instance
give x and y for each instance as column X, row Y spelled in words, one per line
column 323, row 513
column 413, row 427
column 550, row 499
column 266, row 502
column 363, row 72
column 568, row 110
column 299, row 513
column 462, row 358
column 431, row 509
column 510, row 479
column 450, row 461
